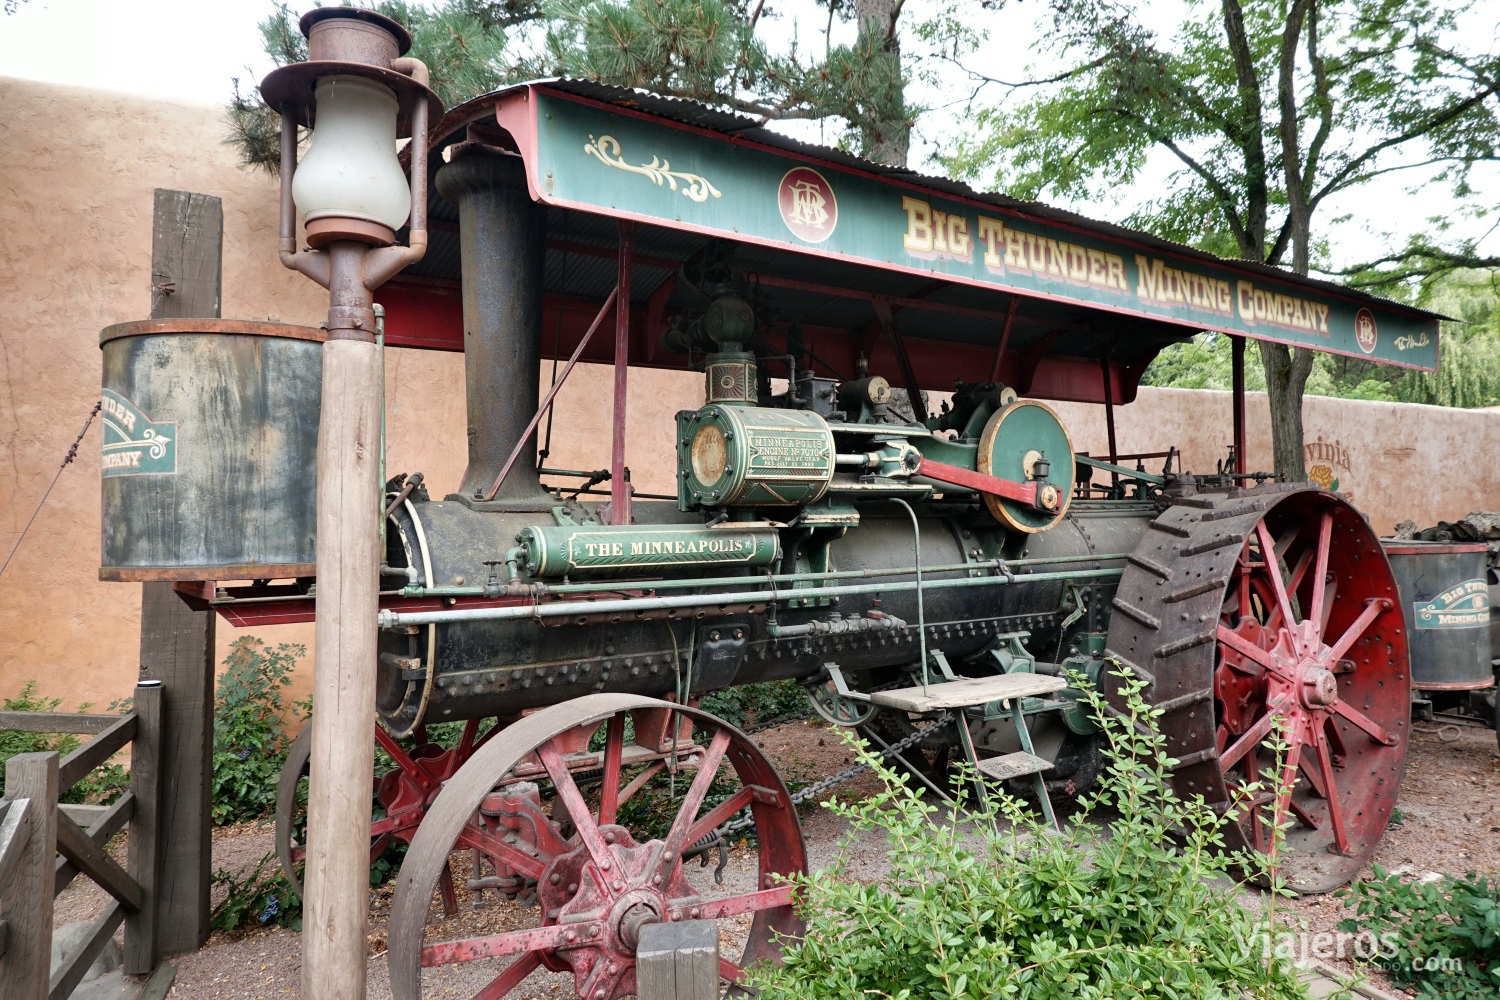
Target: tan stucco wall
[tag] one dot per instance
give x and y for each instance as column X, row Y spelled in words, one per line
column 77, row 173
column 1393, row 460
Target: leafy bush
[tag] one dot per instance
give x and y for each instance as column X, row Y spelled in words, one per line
column 262, row 895
column 1443, row 938
column 250, row 741
column 749, row 704
column 1002, row 906
column 101, row 786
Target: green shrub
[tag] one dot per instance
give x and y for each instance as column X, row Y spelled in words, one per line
column 998, row 905
column 250, row 716
column 100, row 786
column 262, row 895
column 1443, row 938
column 750, row 704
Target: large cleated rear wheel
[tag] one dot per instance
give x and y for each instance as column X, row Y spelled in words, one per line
column 1265, row 609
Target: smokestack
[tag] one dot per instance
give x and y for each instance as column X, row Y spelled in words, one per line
column 502, row 233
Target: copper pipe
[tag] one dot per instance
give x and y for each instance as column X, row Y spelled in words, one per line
column 288, row 168
column 385, row 263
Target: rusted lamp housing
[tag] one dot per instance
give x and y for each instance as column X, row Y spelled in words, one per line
column 359, row 93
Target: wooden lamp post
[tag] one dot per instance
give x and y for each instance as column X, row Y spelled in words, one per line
column 359, row 93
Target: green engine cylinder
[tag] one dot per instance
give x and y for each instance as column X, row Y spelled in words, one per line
column 744, row 456
column 581, row 550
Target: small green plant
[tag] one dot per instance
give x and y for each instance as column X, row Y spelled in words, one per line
column 1441, row 938
column 998, row 904
column 250, row 741
column 261, row 896
column 101, row 786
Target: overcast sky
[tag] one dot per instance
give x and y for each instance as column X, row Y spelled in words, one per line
column 192, row 49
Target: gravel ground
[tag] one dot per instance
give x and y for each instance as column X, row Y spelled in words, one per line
column 1450, row 801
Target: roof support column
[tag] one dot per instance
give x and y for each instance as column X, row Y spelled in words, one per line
column 619, row 489
column 1238, row 374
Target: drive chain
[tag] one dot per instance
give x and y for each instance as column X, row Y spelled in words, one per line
column 817, row 788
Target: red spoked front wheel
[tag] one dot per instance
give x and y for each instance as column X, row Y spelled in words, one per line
column 546, row 800
column 1260, row 613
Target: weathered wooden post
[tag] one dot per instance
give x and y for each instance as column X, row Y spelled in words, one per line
column 26, row 881
column 146, row 832
column 678, row 961
column 361, row 94
column 177, row 643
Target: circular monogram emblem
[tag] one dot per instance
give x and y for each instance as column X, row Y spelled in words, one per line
column 807, row 204
column 1364, row 330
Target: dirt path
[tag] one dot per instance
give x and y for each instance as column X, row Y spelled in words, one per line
column 1450, row 802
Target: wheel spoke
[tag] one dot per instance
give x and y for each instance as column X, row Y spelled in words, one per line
column 500, row 852
column 1252, row 738
column 729, row 971
column 1331, row 796
column 1320, row 571
column 1288, row 781
column 531, row 940
column 614, row 747
column 750, row 902
column 1273, row 570
column 401, row 757
column 718, row 814
column 639, row 781
column 406, row 819
column 466, row 742
column 377, row 847
column 707, row 768
column 511, row 977
column 1373, row 609
column 1376, row 732
column 578, row 810
column 1293, row 582
column 1247, row 649
column 1330, row 597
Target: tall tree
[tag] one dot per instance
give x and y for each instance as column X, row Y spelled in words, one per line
column 706, row 50
column 715, row 51
column 1268, row 109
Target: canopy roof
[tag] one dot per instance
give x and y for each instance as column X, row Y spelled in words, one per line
column 915, row 272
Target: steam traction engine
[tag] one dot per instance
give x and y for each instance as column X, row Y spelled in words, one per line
column 932, row 578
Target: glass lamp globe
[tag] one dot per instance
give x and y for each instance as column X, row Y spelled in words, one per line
column 351, row 170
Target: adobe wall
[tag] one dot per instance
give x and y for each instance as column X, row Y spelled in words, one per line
column 78, row 169
column 77, row 173
column 1394, row 461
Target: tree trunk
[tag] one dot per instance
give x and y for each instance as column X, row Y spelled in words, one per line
column 885, row 129
column 1286, row 378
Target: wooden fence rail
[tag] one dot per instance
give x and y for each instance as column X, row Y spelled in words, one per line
column 44, row 846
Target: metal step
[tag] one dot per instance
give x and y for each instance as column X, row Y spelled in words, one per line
column 967, row 692
column 1013, row 765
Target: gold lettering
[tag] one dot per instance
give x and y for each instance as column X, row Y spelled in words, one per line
column 918, row 225
column 991, row 232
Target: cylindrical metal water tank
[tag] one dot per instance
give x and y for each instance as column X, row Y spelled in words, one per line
column 210, row 442
column 1445, row 597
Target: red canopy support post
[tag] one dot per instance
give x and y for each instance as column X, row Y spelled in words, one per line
column 619, row 489
column 1238, row 372
column 1105, row 370
column 1010, row 318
